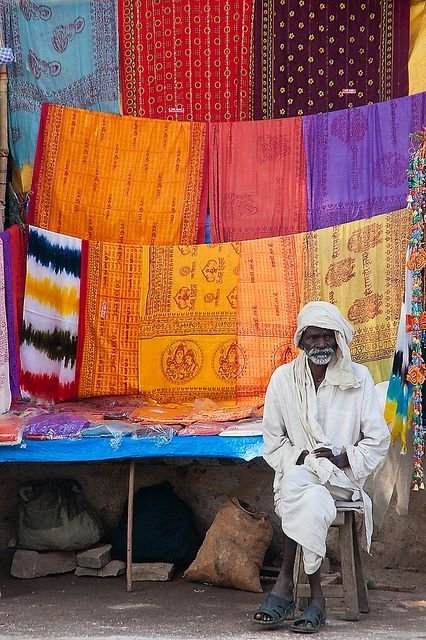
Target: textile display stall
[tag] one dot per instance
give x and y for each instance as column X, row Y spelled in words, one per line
column 195, row 173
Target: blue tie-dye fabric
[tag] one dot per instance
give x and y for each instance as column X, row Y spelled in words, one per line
column 66, row 52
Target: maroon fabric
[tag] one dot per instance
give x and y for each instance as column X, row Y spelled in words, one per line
column 315, row 56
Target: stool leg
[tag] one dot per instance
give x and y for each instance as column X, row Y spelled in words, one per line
column 359, row 572
column 300, row 578
column 348, row 568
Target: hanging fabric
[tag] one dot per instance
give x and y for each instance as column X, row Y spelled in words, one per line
column 119, row 179
column 65, row 53
column 190, row 61
column 257, row 179
column 357, row 160
column 50, row 319
column 312, row 57
column 360, row 267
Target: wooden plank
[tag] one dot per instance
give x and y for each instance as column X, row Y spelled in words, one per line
column 131, row 493
column 348, row 568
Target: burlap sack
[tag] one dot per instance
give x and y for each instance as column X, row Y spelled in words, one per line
column 233, row 549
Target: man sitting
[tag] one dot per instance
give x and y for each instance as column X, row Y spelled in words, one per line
column 324, row 434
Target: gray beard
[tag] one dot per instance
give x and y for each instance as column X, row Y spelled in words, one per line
column 320, row 356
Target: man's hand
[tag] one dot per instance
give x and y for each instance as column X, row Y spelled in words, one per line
column 340, row 460
column 323, row 452
column 301, row 459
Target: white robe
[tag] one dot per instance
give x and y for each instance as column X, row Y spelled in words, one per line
column 348, row 419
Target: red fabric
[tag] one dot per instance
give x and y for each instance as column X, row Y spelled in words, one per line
column 257, row 179
column 186, row 60
column 18, row 246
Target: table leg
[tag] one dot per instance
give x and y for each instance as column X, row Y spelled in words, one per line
column 130, row 525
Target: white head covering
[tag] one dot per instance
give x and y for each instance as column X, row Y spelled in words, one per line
column 327, row 316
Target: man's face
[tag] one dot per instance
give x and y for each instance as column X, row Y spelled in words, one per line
column 319, row 344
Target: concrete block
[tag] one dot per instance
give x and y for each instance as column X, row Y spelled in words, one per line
column 154, row 571
column 95, row 557
column 32, row 564
column 112, row 569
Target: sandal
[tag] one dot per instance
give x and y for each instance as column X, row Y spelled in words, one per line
column 311, row 620
column 279, row 609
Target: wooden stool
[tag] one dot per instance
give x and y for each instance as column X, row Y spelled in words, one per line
column 354, row 589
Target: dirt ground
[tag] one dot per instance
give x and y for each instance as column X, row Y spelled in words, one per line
column 70, row 607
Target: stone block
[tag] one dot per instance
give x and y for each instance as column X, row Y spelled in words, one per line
column 32, row 564
column 86, row 571
column 112, row 569
column 153, row 571
column 95, row 557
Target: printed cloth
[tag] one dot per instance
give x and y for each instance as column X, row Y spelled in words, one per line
column 416, row 68
column 359, row 267
column 6, row 55
column 319, row 57
column 110, row 318
column 257, row 179
column 188, row 326
column 15, row 286
column 10, row 429
column 50, row 320
column 269, row 295
column 5, row 392
column 65, row 53
column 119, row 179
column 357, row 160
column 190, row 61
column 10, row 294
column 193, row 322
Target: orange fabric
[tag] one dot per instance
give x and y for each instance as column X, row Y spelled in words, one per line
column 188, row 322
column 121, row 179
column 269, row 294
column 107, row 360
column 257, row 179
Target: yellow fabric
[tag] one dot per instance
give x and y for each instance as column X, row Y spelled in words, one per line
column 65, row 300
column 417, row 56
column 189, row 322
column 269, row 290
column 359, row 266
column 100, row 176
column 109, row 319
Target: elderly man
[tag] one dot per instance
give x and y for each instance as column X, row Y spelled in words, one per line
column 324, row 434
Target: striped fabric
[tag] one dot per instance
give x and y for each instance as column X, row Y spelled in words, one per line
column 51, row 313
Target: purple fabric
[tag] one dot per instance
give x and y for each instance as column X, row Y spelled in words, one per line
column 357, row 159
column 55, row 425
column 10, row 317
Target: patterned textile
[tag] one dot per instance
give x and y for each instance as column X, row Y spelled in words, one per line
column 6, row 55
column 10, row 304
column 18, row 266
column 360, row 267
column 65, row 53
column 54, row 426
column 312, row 57
column 416, row 66
column 189, row 61
column 357, row 160
column 119, row 179
column 269, row 294
column 5, row 393
column 110, row 318
column 51, row 312
column 257, row 181
column 188, row 325
column 10, row 430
